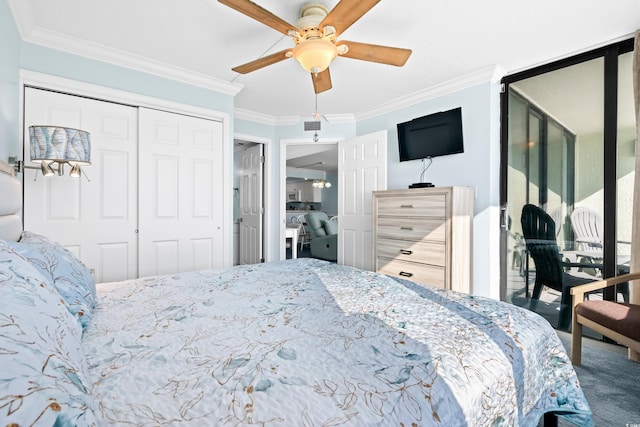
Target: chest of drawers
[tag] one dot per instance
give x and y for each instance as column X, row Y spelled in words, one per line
column 425, row 235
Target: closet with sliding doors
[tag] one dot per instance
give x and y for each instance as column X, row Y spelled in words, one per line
column 152, row 200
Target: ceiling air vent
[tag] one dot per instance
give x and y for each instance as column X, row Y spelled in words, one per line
column 314, row 125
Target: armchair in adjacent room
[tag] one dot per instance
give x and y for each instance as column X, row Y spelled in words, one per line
column 323, row 234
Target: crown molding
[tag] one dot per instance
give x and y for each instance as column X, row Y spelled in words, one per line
column 335, row 119
column 491, row 74
column 24, row 18
column 484, row 75
column 117, row 57
column 265, row 119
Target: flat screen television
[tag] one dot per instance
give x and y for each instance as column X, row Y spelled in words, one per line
column 434, row 135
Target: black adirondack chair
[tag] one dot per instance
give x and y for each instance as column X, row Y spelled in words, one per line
column 539, row 232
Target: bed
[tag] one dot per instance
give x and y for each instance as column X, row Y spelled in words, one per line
column 292, row 343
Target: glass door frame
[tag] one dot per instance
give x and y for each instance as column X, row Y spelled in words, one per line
column 610, row 53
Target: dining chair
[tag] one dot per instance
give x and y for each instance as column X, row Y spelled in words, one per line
column 303, row 235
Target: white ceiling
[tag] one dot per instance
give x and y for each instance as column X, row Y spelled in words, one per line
column 203, row 39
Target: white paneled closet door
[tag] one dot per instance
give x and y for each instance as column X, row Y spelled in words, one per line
column 96, row 220
column 181, row 201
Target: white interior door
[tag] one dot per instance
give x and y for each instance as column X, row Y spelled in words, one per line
column 251, row 205
column 362, row 169
column 96, row 220
column 181, row 197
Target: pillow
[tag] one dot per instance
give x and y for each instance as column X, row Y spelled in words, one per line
column 43, row 377
column 331, row 227
column 63, row 270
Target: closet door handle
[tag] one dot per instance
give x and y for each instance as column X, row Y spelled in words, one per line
column 406, row 228
column 405, row 252
column 406, row 206
column 405, row 274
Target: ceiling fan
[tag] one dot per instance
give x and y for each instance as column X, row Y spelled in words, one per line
column 315, row 35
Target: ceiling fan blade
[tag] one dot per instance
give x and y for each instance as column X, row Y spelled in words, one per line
column 262, row 62
column 321, row 81
column 346, row 13
column 375, row 53
column 256, row 12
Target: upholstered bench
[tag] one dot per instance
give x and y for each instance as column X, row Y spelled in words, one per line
column 620, row 322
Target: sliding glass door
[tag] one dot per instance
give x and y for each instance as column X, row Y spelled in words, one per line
column 568, row 141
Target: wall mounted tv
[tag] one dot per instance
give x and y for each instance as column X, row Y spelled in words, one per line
column 434, row 135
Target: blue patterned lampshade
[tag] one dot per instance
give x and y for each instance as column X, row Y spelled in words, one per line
column 59, row 144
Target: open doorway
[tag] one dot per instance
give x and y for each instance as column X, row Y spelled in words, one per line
column 311, row 185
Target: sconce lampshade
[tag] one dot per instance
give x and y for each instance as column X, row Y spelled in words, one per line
column 315, row 55
column 59, row 144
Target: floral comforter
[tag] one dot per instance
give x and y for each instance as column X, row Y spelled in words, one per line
column 310, row 343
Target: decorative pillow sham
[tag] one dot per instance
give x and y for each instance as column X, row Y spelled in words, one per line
column 42, row 379
column 66, row 272
column 330, row 227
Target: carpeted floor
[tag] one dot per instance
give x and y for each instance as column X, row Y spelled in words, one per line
column 611, row 383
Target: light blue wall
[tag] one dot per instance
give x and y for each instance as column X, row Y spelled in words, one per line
column 478, row 167
column 465, row 169
column 62, row 64
column 330, row 195
column 9, row 82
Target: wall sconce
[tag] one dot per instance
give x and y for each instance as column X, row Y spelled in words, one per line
column 54, row 146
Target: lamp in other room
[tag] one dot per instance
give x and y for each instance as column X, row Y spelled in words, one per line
column 54, row 146
column 321, row 183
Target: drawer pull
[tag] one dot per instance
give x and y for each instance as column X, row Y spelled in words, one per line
column 406, row 228
column 405, row 274
column 405, row 252
column 406, row 206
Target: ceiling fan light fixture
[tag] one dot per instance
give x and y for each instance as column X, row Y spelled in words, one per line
column 315, row 55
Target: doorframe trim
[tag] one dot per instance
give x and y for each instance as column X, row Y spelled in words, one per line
column 267, row 197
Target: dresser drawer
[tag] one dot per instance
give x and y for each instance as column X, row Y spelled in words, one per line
column 419, row 273
column 416, row 229
column 432, row 206
column 420, row 252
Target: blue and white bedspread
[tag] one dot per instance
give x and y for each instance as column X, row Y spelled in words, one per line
column 310, row 343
